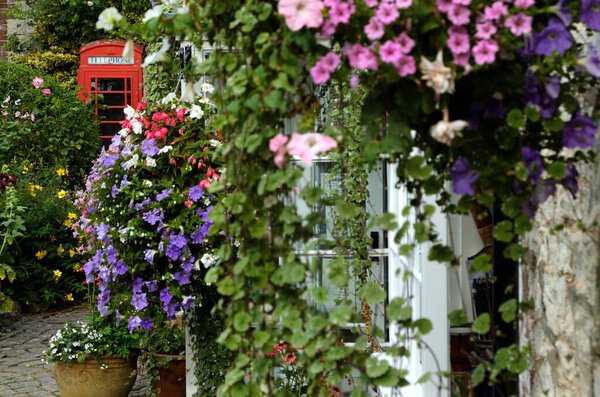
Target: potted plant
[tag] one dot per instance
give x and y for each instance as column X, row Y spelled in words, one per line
column 163, row 356
column 95, row 358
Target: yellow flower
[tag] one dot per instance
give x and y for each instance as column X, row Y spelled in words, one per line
column 57, row 274
column 24, row 169
column 61, row 193
column 76, row 267
column 60, row 249
column 41, row 254
column 33, row 188
column 70, row 297
column 68, row 223
column 62, row 172
column 72, row 253
column 73, row 216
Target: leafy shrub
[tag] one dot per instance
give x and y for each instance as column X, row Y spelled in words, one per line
column 46, row 259
column 58, row 128
column 55, row 62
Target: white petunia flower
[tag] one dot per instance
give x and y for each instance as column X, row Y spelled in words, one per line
column 128, row 49
column 207, row 88
column 436, row 75
column 446, row 131
column 196, row 112
column 208, row 260
column 131, row 163
column 159, row 55
column 171, row 96
column 108, row 18
column 154, row 12
column 165, row 149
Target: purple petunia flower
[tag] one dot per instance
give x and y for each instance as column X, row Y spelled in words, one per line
column 182, row 278
column 102, row 231
column 173, row 252
column 133, row 323
column 570, row 180
column 164, row 194
column 147, row 324
column 124, row 182
column 179, row 240
column 533, row 162
column 171, row 310
column 563, row 12
column 118, row 317
column 591, row 62
column 111, row 255
column 188, row 301
column 541, row 96
column 580, row 132
column 120, row 269
column 542, row 191
column 555, row 37
column 196, row 193
column 104, row 274
column 188, row 265
column 590, row 14
column 149, row 147
column 149, row 255
column 114, row 191
column 165, row 296
column 139, row 301
column 152, row 286
column 200, row 234
column 463, row 177
column 141, row 205
column 154, row 216
column 110, row 160
column 136, row 286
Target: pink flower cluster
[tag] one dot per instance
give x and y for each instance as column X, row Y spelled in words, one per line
column 494, row 17
column 305, row 146
column 322, row 70
column 38, row 83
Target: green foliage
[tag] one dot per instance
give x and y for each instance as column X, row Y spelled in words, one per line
column 46, row 258
column 54, row 62
column 160, row 79
column 62, row 130
column 12, row 226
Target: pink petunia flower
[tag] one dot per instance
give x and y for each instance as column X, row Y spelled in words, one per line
column 524, row 4
column 319, row 73
column 372, row 3
column 328, row 28
column 354, row 81
column 406, row 43
column 459, row 15
column 341, row 12
column 308, row 146
column 496, row 11
column 390, row 52
column 444, row 5
column 46, row 91
column 277, row 146
column 301, row 13
column 485, row 30
column 458, row 41
column 519, row 24
column 38, row 82
column 485, row 52
column 462, row 60
column 405, row 65
column 387, row 13
column 331, row 61
column 374, row 29
column 360, row 57
column 402, row 4
column 462, row 2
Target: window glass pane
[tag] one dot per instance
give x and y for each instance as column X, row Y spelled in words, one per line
column 111, row 114
column 112, row 84
column 112, row 99
column 109, row 129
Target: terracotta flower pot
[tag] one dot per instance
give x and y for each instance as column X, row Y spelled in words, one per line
column 87, row 379
column 171, row 379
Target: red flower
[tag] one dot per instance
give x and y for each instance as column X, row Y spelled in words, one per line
column 289, row 358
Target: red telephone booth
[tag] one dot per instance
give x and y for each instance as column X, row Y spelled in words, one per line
column 111, row 80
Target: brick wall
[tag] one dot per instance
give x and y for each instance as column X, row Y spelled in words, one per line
column 3, row 28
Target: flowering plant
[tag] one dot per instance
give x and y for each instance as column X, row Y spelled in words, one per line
column 145, row 212
column 292, row 379
column 95, row 339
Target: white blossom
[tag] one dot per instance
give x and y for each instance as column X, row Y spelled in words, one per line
column 436, row 75
column 446, row 131
column 208, row 260
column 154, row 12
column 108, row 18
column 196, row 112
column 159, row 55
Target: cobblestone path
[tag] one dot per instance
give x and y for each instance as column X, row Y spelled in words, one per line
column 22, row 372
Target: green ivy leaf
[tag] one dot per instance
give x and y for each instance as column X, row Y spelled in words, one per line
column 375, row 367
column 440, row 253
column 373, row 293
column 508, row 310
column 557, row 170
column 241, row 321
column 481, row 325
column 482, row 263
column 516, row 119
column 398, row 309
column 417, row 168
column 458, row 318
column 424, row 325
column 478, row 375
column 387, row 221
column 503, row 231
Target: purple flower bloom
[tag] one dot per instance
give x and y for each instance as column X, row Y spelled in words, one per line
column 179, row 240
column 196, row 193
column 570, row 180
column 542, row 191
column 133, row 323
column 555, row 37
column 533, row 162
column 136, row 286
column 120, row 269
column 552, row 87
column 118, row 317
column 165, row 296
column 114, row 191
column 164, row 194
column 102, row 231
column 182, row 278
column 151, row 286
column 580, row 132
column 124, row 182
column 139, row 301
column 463, row 177
column 590, row 14
column 188, row 265
column 149, row 147
column 199, row 234
column 171, row 310
column 149, row 255
column 141, row 205
column 188, row 301
column 111, row 255
column 563, row 12
column 104, row 273
column 173, row 252
column 110, row 160
column 541, row 97
column 154, row 216
column 147, row 324
column 591, row 61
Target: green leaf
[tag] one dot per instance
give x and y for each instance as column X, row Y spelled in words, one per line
column 440, row 253
column 503, row 231
column 557, row 170
column 241, row 321
column 337, row 272
column 478, row 375
column 341, row 315
column 387, row 221
column 398, row 309
column 516, row 119
column 482, row 263
column 458, row 318
column 274, row 100
column 373, row 293
column 532, row 113
column 312, row 195
column 417, row 168
column 424, row 325
column 375, row 367
column 481, row 325
column 508, row 310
